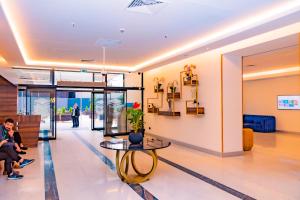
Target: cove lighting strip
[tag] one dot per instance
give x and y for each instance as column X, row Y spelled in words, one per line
column 242, row 25
column 271, row 14
column 271, row 72
column 2, row 60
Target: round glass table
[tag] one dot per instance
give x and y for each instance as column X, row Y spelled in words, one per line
column 149, row 146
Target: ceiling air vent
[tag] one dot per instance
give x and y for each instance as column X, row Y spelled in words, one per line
column 139, row 3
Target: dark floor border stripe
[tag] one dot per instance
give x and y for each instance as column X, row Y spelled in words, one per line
column 207, row 180
column 51, row 192
column 140, row 190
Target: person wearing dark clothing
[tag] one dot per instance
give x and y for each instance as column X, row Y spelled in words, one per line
column 18, row 140
column 7, row 151
column 8, row 165
column 15, row 138
column 75, row 115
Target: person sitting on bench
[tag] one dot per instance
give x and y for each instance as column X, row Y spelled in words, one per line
column 8, row 152
column 15, row 138
column 12, row 175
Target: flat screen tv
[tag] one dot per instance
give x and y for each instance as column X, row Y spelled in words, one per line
column 288, row 102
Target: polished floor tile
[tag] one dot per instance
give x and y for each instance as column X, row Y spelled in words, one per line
column 269, row 171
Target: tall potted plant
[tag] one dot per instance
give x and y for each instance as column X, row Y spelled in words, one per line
column 135, row 117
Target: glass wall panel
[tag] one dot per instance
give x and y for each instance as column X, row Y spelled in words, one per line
column 33, row 76
column 116, row 112
column 99, row 106
column 115, row 80
column 73, row 76
column 21, row 102
column 99, row 77
column 41, row 102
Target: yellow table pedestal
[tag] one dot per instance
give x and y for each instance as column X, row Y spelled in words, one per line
column 129, row 157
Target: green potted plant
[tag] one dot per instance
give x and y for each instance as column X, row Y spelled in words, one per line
column 63, row 110
column 135, row 117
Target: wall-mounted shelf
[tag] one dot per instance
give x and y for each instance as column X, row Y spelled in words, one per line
column 175, row 95
column 153, row 110
column 195, row 110
column 190, row 83
column 168, row 113
column 158, row 90
column 188, row 78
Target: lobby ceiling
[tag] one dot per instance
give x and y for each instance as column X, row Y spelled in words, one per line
column 71, row 31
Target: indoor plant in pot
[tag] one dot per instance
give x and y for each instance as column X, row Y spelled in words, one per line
column 135, row 117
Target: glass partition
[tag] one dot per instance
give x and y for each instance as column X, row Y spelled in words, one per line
column 33, row 76
column 21, row 106
column 98, row 110
column 41, row 102
column 115, row 80
column 73, row 76
column 115, row 112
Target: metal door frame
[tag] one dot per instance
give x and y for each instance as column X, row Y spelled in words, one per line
column 93, row 110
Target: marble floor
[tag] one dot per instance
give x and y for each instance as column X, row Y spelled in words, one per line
column 83, row 170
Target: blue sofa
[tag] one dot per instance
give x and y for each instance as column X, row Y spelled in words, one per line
column 260, row 123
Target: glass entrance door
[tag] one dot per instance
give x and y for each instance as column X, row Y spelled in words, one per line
column 98, row 110
column 41, row 102
column 116, row 120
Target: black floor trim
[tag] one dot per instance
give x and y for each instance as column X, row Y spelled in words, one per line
column 140, row 190
column 207, row 180
column 51, row 192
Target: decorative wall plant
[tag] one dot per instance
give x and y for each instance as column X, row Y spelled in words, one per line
column 158, row 84
column 172, row 86
column 158, row 89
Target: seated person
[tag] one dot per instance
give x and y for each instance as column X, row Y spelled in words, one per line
column 7, row 149
column 11, row 175
column 18, row 143
column 18, row 140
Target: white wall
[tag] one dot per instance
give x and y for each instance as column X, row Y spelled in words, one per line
column 260, row 97
column 219, row 130
column 232, row 104
column 201, row 131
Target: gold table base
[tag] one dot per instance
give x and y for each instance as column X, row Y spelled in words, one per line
column 123, row 166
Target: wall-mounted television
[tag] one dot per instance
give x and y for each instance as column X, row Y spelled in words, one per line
column 288, row 102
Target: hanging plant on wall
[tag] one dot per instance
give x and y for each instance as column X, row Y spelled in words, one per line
column 158, row 83
column 189, row 71
column 172, row 86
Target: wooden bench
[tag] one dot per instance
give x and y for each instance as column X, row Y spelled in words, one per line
column 28, row 126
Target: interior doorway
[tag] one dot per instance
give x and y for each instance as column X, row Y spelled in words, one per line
column 65, row 101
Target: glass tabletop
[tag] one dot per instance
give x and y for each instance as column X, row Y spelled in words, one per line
column 149, row 143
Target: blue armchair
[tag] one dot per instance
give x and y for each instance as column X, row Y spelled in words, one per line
column 260, row 123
